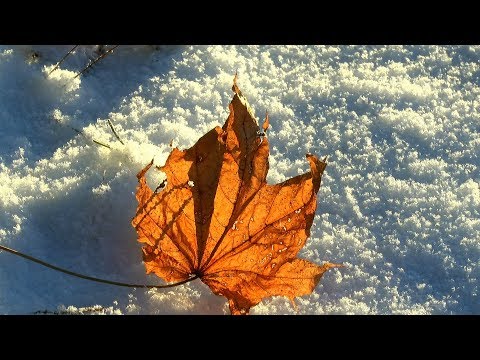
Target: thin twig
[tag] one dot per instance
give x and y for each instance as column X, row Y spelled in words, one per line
column 91, row 278
column 96, row 60
column 102, row 144
column 62, row 60
column 114, row 132
column 86, row 137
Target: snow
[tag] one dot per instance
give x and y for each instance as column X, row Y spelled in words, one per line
column 399, row 203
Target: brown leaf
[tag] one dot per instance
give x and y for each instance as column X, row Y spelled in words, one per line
column 218, row 219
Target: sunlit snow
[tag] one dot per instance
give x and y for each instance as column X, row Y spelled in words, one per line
column 399, row 203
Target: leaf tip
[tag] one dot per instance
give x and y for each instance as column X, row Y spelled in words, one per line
column 266, row 123
column 142, row 172
column 328, row 266
column 317, row 167
column 324, row 268
column 235, row 88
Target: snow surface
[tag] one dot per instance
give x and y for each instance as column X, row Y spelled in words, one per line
column 399, row 203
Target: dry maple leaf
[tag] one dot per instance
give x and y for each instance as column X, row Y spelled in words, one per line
column 217, row 219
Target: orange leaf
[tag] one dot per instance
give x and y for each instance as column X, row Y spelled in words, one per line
column 218, row 219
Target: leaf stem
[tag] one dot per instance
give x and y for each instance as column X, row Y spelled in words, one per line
column 91, row 278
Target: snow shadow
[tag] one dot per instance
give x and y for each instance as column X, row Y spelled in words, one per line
column 28, row 99
column 83, row 231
